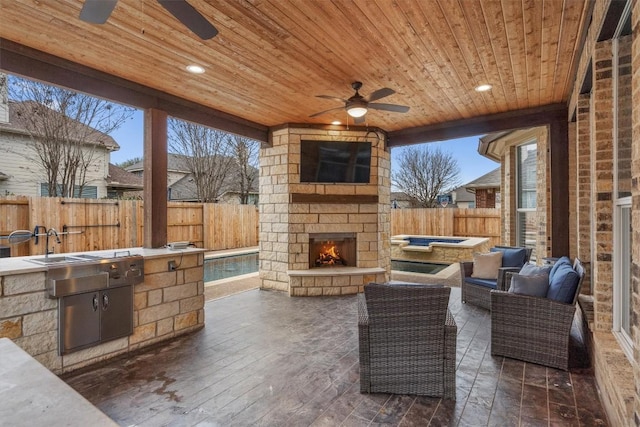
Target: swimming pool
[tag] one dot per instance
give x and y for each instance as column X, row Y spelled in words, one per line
column 417, row 267
column 229, row 266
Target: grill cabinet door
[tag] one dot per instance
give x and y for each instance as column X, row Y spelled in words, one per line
column 117, row 312
column 79, row 321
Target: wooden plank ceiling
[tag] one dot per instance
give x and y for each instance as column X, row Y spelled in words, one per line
column 271, row 57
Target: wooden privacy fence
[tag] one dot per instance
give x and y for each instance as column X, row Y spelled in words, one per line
column 113, row 224
column 448, row 222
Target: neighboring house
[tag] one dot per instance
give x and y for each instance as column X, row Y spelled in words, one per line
column 22, row 174
column 181, row 185
column 485, row 190
column 401, row 200
column 462, row 198
column 122, row 184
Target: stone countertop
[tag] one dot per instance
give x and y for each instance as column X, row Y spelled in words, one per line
column 22, row 265
column 30, row 395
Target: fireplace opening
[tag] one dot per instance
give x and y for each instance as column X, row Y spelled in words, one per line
column 332, row 250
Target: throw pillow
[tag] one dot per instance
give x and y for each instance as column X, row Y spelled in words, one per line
column 512, row 257
column 563, row 284
column 535, row 285
column 532, row 270
column 485, row 266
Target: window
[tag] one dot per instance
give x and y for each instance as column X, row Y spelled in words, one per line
column 526, row 183
column 622, row 224
column 88, row 191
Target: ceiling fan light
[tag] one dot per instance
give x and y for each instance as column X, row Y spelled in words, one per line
column 356, row 111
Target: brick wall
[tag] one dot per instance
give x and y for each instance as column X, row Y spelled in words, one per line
column 583, row 186
column 486, row 198
column 602, row 186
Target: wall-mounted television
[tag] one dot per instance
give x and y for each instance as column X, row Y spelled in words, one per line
column 334, row 161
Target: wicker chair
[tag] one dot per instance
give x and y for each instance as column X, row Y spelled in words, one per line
column 533, row 329
column 407, row 340
column 478, row 291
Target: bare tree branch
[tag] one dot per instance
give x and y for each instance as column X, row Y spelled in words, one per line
column 245, row 156
column 66, row 128
column 205, row 152
column 425, row 172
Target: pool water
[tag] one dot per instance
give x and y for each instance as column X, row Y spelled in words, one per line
column 230, row 266
column 417, row 267
column 425, row 241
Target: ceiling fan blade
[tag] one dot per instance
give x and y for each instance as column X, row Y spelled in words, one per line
column 390, row 107
column 379, row 94
column 359, row 120
column 326, row 111
column 190, row 17
column 97, row 11
column 334, row 98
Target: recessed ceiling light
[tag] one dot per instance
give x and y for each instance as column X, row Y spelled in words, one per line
column 195, row 69
column 336, row 122
column 483, row 88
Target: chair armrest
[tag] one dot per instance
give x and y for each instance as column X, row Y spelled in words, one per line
column 537, row 314
column 504, row 277
column 363, row 313
column 466, row 269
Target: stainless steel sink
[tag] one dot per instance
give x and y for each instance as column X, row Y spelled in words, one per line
column 65, row 258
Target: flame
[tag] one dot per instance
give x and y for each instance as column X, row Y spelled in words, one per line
column 329, row 253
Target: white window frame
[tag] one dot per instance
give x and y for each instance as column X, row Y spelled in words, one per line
column 621, row 237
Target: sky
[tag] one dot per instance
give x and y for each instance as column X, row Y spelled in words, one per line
column 464, row 150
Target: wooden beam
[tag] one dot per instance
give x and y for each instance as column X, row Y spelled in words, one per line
column 510, row 120
column 559, row 191
column 155, row 178
column 25, row 61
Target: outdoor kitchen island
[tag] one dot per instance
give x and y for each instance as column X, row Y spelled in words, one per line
column 167, row 302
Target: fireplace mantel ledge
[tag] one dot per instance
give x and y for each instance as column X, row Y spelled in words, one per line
column 336, row 271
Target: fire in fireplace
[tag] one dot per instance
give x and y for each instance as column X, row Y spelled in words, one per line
column 332, row 250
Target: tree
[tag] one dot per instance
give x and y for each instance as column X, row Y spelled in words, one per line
column 424, row 173
column 205, row 152
column 129, row 162
column 245, row 156
column 65, row 128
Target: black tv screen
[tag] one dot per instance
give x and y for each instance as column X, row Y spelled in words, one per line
column 330, row 161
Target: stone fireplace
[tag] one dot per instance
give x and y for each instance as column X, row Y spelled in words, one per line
column 332, row 250
column 297, row 219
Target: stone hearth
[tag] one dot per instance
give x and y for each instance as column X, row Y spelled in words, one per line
column 291, row 211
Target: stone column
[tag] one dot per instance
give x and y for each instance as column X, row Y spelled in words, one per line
column 583, row 186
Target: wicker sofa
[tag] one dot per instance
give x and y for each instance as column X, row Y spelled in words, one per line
column 477, row 291
column 407, row 340
column 535, row 329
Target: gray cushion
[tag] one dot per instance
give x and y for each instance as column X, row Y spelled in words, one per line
column 535, row 285
column 532, row 270
column 563, row 284
column 486, row 266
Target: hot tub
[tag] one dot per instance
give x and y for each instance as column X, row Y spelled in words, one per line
column 439, row 249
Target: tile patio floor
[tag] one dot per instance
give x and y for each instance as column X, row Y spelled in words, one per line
column 266, row 359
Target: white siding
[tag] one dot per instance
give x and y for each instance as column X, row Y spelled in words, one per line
column 19, row 161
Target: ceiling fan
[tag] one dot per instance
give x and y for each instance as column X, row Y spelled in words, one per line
column 98, row 11
column 358, row 105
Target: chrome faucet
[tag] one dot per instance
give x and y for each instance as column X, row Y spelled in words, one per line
column 51, row 232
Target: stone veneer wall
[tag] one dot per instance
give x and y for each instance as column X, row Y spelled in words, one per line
column 583, row 187
column 167, row 304
column 285, row 225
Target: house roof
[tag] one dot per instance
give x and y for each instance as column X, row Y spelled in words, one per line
column 18, row 111
column 488, row 180
column 175, row 163
column 260, row 73
column 462, row 195
column 121, row 179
